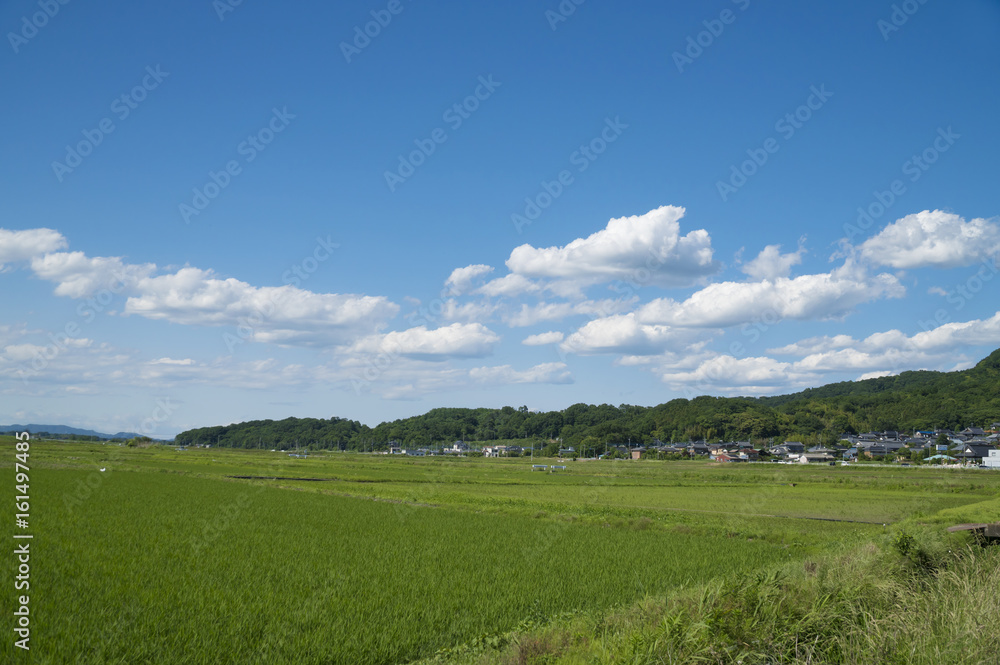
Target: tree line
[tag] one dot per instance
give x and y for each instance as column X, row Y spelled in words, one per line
column 909, row 401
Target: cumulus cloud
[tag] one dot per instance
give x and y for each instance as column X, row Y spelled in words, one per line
column 453, row 310
column 730, row 375
column 529, row 315
column 16, row 246
column 814, row 345
column 977, row 332
column 646, row 246
column 408, row 379
column 462, row 278
column 541, row 339
column 459, row 340
column 172, row 361
column 509, row 286
column 26, row 353
column 932, row 239
column 846, row 352
column 191, row 296
column 623, row 333
column 771, row 264
column 278, row 314
column 79, row 276
column 555, row 373
column 822, row 296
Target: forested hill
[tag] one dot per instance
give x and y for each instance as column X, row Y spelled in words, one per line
column 908, row 401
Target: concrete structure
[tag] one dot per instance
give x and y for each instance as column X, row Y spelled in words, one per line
column 993, row 460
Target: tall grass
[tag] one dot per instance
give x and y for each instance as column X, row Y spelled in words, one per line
column 871, row 605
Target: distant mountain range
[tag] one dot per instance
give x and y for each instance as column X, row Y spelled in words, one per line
column 63, row 429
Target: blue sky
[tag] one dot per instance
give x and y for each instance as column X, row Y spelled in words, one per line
column 215, row 212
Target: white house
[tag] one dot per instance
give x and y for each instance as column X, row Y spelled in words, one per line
column 813, row 458
column 993, row 461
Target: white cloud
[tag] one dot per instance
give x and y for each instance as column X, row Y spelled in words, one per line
column 822, row 296
column 459, row 340
column 452, row 310
column 278, row 314
column 543, row 338
column 856, row 359
column 79, row 276
column 172, row 361
column 932, row 239
column 25, row 245
column 191, row 296
column 771, row 264
column 28, row 353
column 977, row 332
column 730, row 375
column 408, row 379
column 506, row 375
column 875, row 375
column 509, row 285
column 814, row 345
column 890, row 346
column 826, row 359
column 623, row 333
column 646, row 248
column 549, row 311
column 462, row 278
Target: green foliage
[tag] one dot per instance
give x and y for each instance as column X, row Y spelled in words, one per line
column 908, row 401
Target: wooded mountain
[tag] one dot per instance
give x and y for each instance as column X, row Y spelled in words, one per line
column 908, row 401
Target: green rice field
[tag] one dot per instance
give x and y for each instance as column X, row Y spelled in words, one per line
column 168, row 557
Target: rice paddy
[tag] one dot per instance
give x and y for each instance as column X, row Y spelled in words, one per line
column 166, row 557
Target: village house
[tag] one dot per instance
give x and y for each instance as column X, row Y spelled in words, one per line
column 974, row 453
column 814, row 458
